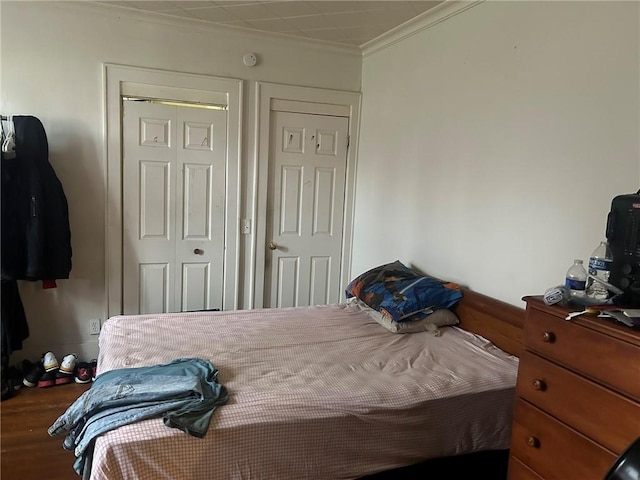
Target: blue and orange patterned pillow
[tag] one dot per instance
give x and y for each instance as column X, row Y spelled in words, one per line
column 401, row 294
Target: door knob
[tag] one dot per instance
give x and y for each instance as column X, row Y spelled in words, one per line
column 198, row 251
column 273, row 245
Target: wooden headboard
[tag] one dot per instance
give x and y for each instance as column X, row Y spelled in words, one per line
column 495, row 320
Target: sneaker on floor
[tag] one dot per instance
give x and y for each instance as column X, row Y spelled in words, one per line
column 48, row 379
column 50, row 362
column 67, row 369
column 6, row 390
column 32, row 373
column 94, row 369
column 14, row 378
column 83, row 372
column 68, row 364
column 63, row 378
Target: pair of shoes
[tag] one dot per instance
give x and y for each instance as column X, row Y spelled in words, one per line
column 58, row 375
column 65, row 373
column 48, row 372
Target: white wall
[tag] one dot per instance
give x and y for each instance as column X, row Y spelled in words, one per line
column 492, row 143
column 51, row 67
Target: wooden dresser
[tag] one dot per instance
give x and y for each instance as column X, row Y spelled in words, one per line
column 578, row 395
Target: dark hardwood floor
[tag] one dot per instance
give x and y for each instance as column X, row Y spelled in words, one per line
column 27, row 450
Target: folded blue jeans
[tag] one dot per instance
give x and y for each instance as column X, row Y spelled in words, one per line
column 185, row 392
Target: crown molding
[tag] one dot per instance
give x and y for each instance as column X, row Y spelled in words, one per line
column 117, row 11
column 430, row 18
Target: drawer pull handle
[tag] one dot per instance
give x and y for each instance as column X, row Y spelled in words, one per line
column 548, row 337
column 539, row 385
column 533, row 442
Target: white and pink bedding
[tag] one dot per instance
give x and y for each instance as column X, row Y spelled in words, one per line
column 314, row 393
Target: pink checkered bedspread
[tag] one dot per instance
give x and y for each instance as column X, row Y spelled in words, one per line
column 314, row 393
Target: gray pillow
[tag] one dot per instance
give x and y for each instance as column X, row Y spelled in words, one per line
column 439, row 318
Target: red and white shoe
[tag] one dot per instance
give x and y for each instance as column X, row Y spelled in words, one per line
column 83, row 372
column 48, row 379
column 67, row 369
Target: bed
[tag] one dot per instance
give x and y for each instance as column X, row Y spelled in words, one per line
column 320, row 392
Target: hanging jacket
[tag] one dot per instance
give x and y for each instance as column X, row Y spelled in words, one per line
column 36, row 238
column 14, row 328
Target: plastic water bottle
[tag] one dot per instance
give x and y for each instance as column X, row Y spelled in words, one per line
column 599, row 267
column 576, row 280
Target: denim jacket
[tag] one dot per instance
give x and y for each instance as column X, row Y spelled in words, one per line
column 185, row 392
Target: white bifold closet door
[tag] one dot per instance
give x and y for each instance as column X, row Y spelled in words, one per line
column 173, row 207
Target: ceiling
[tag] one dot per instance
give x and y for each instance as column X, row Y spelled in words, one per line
column 352, row 23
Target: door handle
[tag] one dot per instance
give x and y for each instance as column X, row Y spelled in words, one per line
column 273, row 245
column 198, row 251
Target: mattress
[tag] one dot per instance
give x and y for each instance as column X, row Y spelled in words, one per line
column 319, row 392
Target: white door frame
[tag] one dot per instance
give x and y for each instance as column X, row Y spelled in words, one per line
column 273, row 96
column 189, row 87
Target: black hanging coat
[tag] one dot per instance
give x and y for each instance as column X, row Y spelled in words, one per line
column 36, row 238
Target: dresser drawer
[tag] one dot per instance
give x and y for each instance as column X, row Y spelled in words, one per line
column 608, row 418
column 553, row 450
column 609, row 360
column 518, row 471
